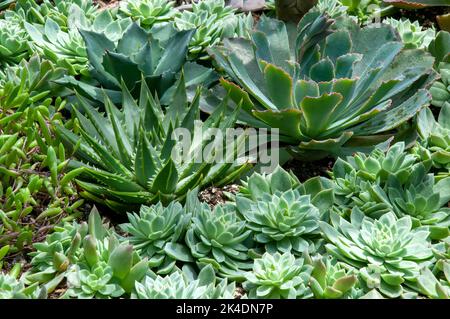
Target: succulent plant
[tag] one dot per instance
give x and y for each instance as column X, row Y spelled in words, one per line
column 126, row 61
column 412, row 34
column 388, row 251
column 333, row 8
column 284, row 222
column 436, row 135
column 12, row 287
column 130, row 157
column 156, row 232
column 67, row 48
column 14, row 44
column 331, row 279
column 440, row 49
column 436, row 286
column 59, row 11
column 181, row 285
column 365, row 10
column 213, row 21
column 29, row 82
column 278, row 276
column 258, row 186
column 326, row 100
column 292, row 10
column 148, row 12
column 219, row 237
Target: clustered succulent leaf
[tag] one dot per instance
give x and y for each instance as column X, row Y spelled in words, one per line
column 284, row 221
column 276, row 276
column 388, row 251
column 181, row 285
column 412, row 33
column 213, row 21
column 14, row 45
column 148, row 12
column 326, row 98
column 158, row 229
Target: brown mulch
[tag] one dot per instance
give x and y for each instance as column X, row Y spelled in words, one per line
column 426, row 16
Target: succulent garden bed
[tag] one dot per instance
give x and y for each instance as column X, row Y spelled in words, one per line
column 100, row 199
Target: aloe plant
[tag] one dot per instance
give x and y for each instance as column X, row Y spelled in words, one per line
column 326, row 100
column 129, row 157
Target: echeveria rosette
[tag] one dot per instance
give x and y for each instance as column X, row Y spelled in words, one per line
column 148, row 12
column 424, row 200
column 155, row 233
column 213, row 21
column 388, row 247
column 331, row 279
column 412, row 34
column 14, row 44
column 259, row 185
column 278, row 276
column 95, row 282
column 219, row 237
column 182, row 285
column 435, row 136
column 12, row 287
column 284, row 221
column 329, row 89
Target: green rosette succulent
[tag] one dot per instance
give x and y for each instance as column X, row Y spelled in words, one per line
column 440, row 49
column 219, row 237
column 436, row 136
column 278, row 276
column 183, row 285
column 259, row 185
column 435, row 284
column 14, row 44
column 333, row 8
column 213, row 21
column 412, row 34
column 155, row 233
column 388, row 251
column 148, row 12
column 331, row 279
column 331, row 88
column 284, row 221
column 12, row 287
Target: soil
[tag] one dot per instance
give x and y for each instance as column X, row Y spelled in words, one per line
column 307, row 170
column 214, row 195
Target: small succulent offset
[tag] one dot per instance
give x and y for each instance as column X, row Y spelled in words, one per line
column 331, row 279
column 323, row 97
column 12, row 287
column 412, row 34
column 14, row 44
column 213, row 21
column 440, row 49
column 388, row 251
column 278, row 276
column 284, row 222
column 219, row 237
column 436, row 135
column 155, row 233
column 130, row 157
column 181, row 285
column 148, row 12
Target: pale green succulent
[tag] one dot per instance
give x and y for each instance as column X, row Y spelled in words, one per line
column 436, row 135
column 182, row 285
column 14, row 288
column 213, row 21
column 323, row 97
column 284, row 222
column 148, row 12
column 412, row 34
column 331, row 279
column 155, row 233
column 388, row 251
column 219, row 237
column 278, row 276
column 333, row 8
column 14, row 44
column 436, row 286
